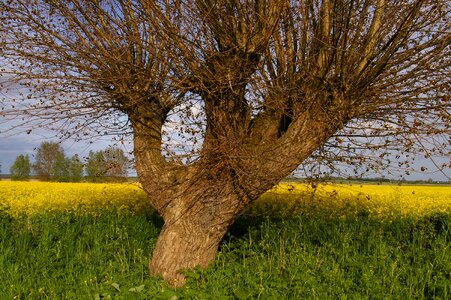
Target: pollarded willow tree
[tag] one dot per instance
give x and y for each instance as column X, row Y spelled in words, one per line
column 254, row 87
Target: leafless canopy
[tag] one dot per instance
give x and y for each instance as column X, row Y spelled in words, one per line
column 375, row 68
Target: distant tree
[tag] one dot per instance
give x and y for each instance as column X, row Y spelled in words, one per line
column 60, row 168
column 110, row 164
column 116, row 164
column 20, row 170
column 75, row 167
column 95, row 167
column 46, row 156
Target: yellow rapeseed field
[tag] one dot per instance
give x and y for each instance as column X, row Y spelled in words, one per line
column 350, row 200
column 334, row 200
column 30, row 198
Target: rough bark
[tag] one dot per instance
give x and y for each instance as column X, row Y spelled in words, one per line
column 200, row 201
column 190, row 241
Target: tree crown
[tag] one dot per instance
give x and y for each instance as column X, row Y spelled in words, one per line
column 247, row 77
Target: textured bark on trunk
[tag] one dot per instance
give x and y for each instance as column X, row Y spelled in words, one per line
column 186, row 244
column 239, row 161
column 198, row 203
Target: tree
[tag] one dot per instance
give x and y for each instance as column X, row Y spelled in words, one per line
column 95, row 167
column 116, row 164
column 60, row 170
column 109, row 164
column 76, row 168
column 49, row 161
column 20, row 170
column 266, row 85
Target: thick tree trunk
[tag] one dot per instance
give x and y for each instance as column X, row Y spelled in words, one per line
column 186, row 244
column 199, row 201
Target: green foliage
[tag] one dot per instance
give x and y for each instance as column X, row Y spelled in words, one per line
column 110, row 164
column 21, row 168
column 67, row 169
column 75, row 168
column 303, row 257
column 49, row 161
column 60, row 168
column 94, row 166
column 51, row 164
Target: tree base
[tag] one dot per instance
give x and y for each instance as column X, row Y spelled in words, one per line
column 184, row 246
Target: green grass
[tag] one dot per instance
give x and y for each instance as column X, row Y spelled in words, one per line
column 68, row 257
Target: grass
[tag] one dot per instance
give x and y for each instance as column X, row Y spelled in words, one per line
column 66, row 256
column 296, row 242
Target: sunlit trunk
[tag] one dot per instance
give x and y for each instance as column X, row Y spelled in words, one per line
column 186, row 243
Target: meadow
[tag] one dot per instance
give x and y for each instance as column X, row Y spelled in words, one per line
column 298, row 241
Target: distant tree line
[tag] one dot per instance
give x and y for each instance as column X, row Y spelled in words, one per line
column 51, row 164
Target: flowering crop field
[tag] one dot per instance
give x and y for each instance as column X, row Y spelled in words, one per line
column 31, row 198
column 382, row 202
column 334, row 200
